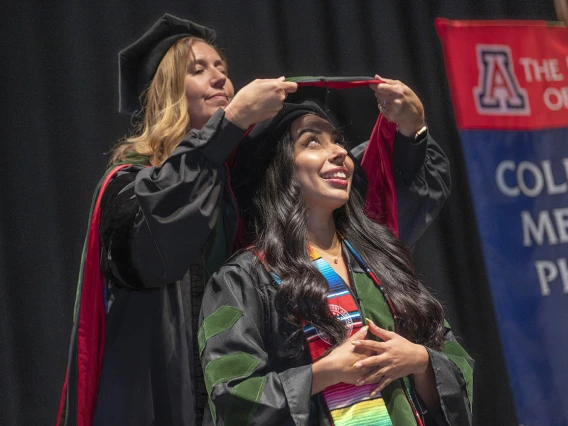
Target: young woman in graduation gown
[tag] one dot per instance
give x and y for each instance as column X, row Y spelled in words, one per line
column 167, row 220
column 323, row 320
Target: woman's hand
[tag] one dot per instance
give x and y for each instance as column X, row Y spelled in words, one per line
column 258, row 101
column 395, row 357
column 399, row 104
column 338, row 365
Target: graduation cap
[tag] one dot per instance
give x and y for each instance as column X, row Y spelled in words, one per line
column 137, row 63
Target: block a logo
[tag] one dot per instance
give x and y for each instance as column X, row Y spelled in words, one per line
column 498, row 92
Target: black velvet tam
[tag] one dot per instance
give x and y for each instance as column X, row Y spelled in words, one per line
column 137, row 63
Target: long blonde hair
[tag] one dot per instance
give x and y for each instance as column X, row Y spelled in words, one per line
column 166, row 119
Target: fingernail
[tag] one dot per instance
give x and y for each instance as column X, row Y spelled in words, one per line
column 357, row 365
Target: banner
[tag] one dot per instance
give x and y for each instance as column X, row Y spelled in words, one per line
column 509, row 87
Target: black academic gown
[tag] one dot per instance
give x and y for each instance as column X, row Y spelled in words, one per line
column 164, row 231
column 253, row 378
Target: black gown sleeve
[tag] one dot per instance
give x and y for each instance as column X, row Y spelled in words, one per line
column 423, row 183
column 118, row 210
column 158, row 223
column 453, row 373
column 244, row 385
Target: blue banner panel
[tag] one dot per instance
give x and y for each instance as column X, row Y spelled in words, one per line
column 519, row 185
column 509, row 86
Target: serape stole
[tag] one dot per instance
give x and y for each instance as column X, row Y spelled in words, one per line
column 348, row 405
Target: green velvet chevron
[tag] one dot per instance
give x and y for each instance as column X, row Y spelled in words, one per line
column 219, row 321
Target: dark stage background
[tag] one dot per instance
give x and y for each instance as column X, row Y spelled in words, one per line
column 58, row 74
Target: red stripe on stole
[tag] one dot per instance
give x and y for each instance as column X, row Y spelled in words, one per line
column 318, row 347
column 346, row 302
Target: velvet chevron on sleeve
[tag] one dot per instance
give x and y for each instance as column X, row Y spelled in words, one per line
column 247, row 382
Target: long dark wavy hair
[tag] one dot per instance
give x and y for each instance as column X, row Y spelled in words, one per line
column 280, row 227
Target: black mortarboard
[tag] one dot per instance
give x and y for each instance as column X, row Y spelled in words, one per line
column 137, row 64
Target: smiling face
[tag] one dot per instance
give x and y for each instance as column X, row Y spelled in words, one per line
column 322, row 165
column 207, row 86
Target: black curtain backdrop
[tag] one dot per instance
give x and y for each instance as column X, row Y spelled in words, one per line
column 58, row 74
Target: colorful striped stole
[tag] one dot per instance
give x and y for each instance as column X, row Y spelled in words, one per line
column 348, row 405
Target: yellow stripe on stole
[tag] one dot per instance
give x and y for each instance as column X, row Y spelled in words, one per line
column 365, row 413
